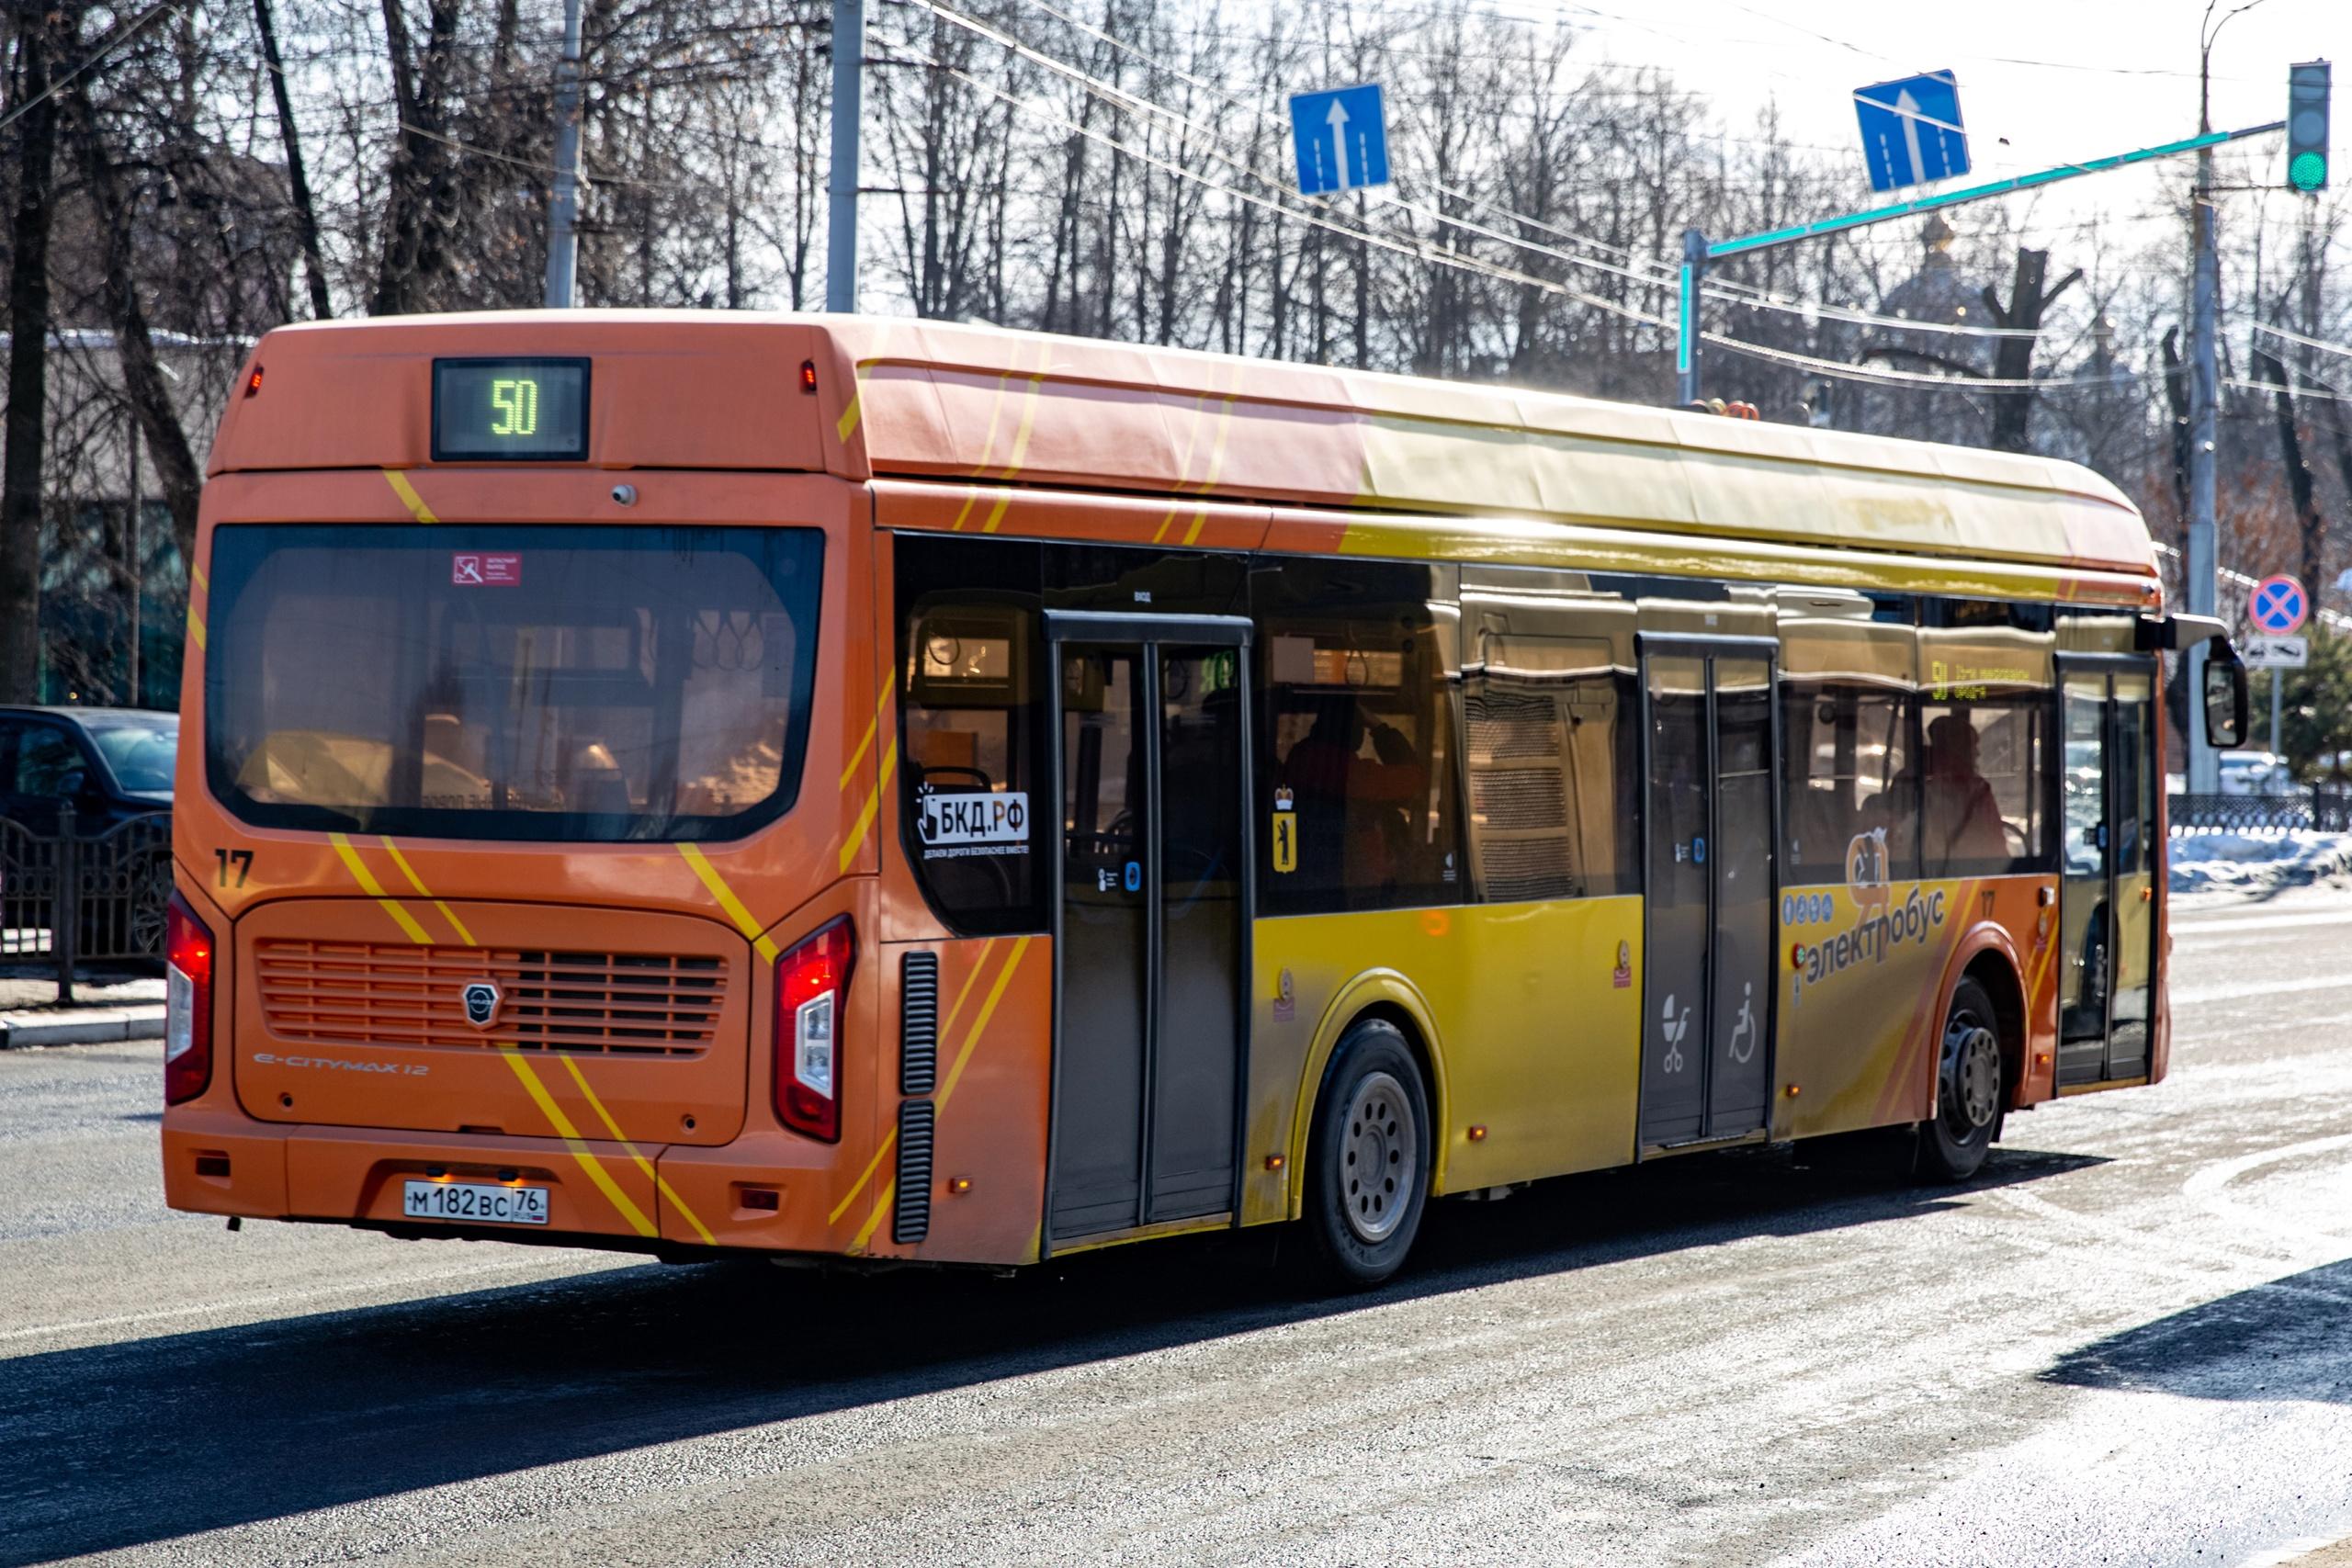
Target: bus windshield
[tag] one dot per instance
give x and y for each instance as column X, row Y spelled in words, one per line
column 511, row 683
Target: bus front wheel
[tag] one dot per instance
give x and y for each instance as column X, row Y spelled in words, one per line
column 1368, row 1157
column 1954, row 1142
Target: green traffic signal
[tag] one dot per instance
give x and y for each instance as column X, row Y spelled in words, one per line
column 2307, row 96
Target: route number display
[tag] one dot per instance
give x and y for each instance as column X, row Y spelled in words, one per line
column 507, row 410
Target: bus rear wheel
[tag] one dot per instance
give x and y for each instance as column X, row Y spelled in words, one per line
column 1368, row 1157
column 1954, row 1142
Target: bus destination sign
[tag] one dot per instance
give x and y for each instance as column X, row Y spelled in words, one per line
column 509, row 409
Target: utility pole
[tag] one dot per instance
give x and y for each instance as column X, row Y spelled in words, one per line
column 841, row 190
column 2201, row 562
column 563, row 213
column 136, row 562
column 1686, row 342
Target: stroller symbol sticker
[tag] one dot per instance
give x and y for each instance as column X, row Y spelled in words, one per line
column 1674, row 1027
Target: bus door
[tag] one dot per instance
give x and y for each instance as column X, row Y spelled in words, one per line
column 1709, row 751
column 2107, row 905
column 1151, row 927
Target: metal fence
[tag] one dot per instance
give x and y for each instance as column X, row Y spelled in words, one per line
column 71, row 905
column 2326, row 811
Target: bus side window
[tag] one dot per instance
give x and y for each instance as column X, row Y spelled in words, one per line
column 1357, row 666
column 1549, row 754
column 970, row 667
column 1983, row 813
column 1851, row 804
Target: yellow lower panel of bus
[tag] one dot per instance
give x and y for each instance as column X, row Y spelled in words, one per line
column 1864, row 974
column 1531, row 1013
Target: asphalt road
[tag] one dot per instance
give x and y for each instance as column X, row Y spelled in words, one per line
column 2130, row 1341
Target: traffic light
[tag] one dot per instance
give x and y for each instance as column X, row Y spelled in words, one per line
column 2307, row 126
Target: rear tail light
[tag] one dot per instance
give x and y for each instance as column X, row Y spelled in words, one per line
column 187, row 1003
column 809, row 983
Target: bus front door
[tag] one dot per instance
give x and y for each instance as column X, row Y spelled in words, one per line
column 1152, row 923
column 2107, row 905
column 1708, row 988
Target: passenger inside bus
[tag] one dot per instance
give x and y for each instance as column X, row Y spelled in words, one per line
column 1963, row 823
column 1354, row 811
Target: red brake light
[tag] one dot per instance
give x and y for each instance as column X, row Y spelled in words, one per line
column 809, row 983
column 808, row 376
column 187, row 1003
column 252, row 381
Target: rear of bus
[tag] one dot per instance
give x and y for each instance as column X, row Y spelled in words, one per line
column 527, row 786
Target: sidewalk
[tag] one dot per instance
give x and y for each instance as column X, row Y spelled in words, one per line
column 129, row 1010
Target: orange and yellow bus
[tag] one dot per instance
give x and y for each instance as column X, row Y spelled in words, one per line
column 881, row 790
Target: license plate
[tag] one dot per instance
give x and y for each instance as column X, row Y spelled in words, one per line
column 477, row 1202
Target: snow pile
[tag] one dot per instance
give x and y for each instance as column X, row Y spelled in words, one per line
column 2255, row 863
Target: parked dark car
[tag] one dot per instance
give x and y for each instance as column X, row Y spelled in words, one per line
column 110, row 763
column 113, row 766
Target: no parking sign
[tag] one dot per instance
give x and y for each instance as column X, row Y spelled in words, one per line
column 2278, row 606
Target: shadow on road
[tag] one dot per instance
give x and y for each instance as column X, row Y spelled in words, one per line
column 147, row 1439
column 2283, row 1339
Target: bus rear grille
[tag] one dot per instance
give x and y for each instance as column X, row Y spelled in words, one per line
column 911, row 1215
column 918, row 1023
column 617, row 1003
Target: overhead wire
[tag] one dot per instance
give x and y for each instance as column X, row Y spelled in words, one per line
column 136, row 25
column 1658, row 275
column 1418, row 250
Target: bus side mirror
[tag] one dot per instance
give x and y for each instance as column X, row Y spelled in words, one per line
column 2224, row 695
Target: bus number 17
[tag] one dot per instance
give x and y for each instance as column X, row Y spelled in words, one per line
column 242, row 859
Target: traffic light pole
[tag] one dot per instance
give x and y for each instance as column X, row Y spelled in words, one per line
column 1697, row 252
column 841, row 190
column 2200, row 563
column 564, row 207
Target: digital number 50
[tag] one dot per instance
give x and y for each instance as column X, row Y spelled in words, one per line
column 517, row 406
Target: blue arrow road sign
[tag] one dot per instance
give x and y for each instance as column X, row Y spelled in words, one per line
column 1342, row 140
column 1911, row 130
column 2277, row 605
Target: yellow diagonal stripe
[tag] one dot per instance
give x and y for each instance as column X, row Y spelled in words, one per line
column 947, row 1089
column 873, row 724
column 196, row 628
column 988, row 1010
column 203, row 583
column 954, row 1011
column 1028, row 417
column 872, row 804
column 375, row 889
column 418, row 883
column 667, row 1191
column 728, row 901
column 848, row 420
column 864, row 1177
column 881, row 1207
column 587, row 1161
column 1216, row 466
column 409, row 498
column 996, row 410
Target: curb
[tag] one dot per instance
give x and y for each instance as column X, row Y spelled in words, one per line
column 86, row 1026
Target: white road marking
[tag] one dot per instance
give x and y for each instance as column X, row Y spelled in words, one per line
column 280, row 1298
column 2207, row 1185
column 2261, row 922
column 2246, row 990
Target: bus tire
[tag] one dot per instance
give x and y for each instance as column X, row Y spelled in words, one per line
column 1368, row 1157
column 1954, row 1142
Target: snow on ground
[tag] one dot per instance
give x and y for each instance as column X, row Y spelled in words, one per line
column 2256, row 863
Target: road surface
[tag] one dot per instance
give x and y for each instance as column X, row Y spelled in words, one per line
column 2129, row 1342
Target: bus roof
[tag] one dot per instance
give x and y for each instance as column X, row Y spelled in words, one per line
column 939, row 400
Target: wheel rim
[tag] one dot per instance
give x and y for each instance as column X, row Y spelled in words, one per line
column 1380, row 1157
column 1973, row 1075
